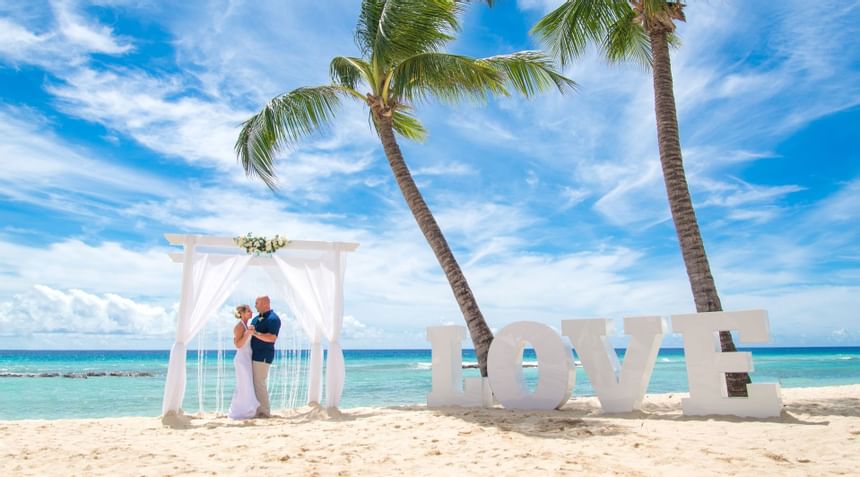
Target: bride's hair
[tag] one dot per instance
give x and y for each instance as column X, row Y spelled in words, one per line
column 239, row 309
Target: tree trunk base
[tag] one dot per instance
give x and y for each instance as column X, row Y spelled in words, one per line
column 736, row 383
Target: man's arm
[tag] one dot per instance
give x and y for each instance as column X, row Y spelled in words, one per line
column 267, row 337
column 273, row 327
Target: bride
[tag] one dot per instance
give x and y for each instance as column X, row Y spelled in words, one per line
column 244, row 403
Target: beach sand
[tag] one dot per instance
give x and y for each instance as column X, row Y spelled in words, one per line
column 817, row 434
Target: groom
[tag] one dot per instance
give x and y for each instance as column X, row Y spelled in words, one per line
column 266, row 327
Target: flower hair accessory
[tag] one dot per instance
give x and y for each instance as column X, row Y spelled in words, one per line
column 258, row 245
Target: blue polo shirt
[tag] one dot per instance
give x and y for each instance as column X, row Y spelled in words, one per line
column 267, row 322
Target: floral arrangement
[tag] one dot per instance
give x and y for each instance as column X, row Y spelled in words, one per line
column 258, row 245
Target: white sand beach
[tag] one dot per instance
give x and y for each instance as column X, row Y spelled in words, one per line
column 818, row 434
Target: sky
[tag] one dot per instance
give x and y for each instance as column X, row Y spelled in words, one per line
column 118, row 119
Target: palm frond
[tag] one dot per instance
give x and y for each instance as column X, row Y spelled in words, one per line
column 627, row 39
column 448, row 77
column 667, row 11
column 674, row 40
column 283, row 121
column 391, row 30
column 403, row 122
column 408, row 126
column 349, row 71
column 568, row 29
column 529, row 72
column 368, row 25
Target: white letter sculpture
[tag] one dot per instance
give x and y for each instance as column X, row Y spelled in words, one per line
column 706, row 365
column 556, row 374
column 619, row 388
column 447, row 371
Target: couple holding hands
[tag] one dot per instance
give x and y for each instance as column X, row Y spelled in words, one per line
column 255, row 350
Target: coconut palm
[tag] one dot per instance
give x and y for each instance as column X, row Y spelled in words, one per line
column 642, row 30
column 402, row 64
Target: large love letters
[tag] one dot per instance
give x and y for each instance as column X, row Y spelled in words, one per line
column 620, row 388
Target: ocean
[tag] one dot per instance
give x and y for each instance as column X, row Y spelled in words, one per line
column 90, row 384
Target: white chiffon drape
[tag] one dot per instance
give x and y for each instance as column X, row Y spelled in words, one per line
column 211, row 281
column 314, row 289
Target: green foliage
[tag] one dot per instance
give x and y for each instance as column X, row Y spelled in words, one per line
column 627, row 40
column 448, row 77
column 348, row 71
column 529, row 72
column 402, row 64
column 390, row 31
column 408, row 126
column 283, row 121
column 618, row 27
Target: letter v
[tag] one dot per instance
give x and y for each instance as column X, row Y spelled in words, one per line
column 619, row 389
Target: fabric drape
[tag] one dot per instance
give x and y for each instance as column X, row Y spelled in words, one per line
column 208, row 282
column 314, row 289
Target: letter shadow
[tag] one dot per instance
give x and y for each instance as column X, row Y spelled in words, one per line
column 557, row 424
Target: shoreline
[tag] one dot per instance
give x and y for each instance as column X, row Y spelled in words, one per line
column 817, row 433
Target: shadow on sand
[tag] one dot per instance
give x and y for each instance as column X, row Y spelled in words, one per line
column 583, row 417
column 559, row 424
column 304, row 414
column 578, row 418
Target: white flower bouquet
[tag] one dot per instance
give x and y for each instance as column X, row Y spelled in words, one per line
column 258, row 245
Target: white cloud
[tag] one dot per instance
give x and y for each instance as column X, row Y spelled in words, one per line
column 841, row 207
column 572, row 197
column 16, row 42
column 104, row 268
column 445, row 169
column 355, row 330
column 92, row 38
column 47, row 310
column 807, row 315
column 544, row 6
column 473, row 224
column 738, row 193
column 67, row 38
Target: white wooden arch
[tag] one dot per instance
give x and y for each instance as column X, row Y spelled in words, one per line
column 211, row 267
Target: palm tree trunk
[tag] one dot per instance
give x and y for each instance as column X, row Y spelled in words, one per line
column 680, row 203
column 478, row 329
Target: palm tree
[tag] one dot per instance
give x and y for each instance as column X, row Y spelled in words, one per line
column 401, row 64
column 642, row 30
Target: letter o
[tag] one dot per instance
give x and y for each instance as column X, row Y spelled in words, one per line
column 556, row 374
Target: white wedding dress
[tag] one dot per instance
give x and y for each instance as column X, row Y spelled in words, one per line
column 244, row 403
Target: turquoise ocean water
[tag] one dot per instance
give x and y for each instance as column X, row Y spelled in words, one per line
column 86, row 384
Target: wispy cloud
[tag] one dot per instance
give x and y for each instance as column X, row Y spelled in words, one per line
column 41, row 169
column 55, row 37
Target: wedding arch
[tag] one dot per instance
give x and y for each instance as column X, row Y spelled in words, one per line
column 308, row 273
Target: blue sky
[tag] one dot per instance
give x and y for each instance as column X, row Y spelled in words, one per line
column 117, row 120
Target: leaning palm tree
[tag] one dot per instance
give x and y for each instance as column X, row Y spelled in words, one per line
column 642, row 30
column 402, row 64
